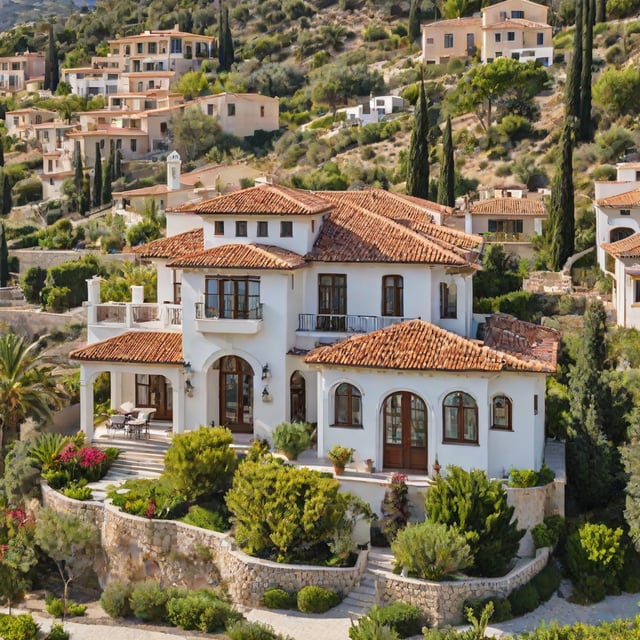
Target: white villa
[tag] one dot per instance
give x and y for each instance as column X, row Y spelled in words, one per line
column 617, row 208
column 351, row 310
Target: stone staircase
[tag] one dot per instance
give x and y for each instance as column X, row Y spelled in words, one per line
column 363, row 597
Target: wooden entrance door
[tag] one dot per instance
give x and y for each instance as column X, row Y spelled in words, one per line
column 298, row 397
column 404, row 417
column 155, row 391
column 236, row 394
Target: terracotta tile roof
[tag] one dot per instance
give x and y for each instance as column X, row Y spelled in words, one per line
column 509, row 206
column 241, row 256
column 517, row 24
column 182, row 244
column 454, row 22
column 353, row 234
column 626, row 248
column 414, row 213
column 265, row 199
column 418, row 345
column 528, row 341
column 628, row 199
column 152, row 347
column 155, row 190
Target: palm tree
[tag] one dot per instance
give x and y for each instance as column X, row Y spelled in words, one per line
column 27, row 388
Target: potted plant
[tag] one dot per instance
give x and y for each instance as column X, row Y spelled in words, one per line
column 340, row 456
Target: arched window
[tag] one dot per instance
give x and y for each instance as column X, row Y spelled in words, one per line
column 460, row 418
column 392, row 302
column 348, row 406
column 501, row 413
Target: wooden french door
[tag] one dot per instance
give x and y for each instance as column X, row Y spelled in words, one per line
column 236, row 394
column 404, row 418
column 298, row 397
column 155, row 391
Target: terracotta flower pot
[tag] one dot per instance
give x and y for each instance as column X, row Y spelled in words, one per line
column 338, row 470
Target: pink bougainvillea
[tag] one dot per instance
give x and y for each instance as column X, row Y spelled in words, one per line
column 91, row 457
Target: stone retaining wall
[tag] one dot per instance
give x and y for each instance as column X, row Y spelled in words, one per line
column 175, row 553
column 442, row 602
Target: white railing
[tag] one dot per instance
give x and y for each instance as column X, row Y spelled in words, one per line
column 149, row 315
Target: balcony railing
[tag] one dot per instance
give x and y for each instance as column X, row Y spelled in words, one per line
column 345, row 323
column 148, row 315
column 203, row 312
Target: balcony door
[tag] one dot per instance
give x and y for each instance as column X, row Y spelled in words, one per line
column 155, row 391
column 233, row 298
column 236, row 394
column 332, row 302
column 404, row 420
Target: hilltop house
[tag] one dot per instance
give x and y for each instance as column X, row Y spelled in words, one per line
column 351, row 310
column 21, row 71
column 511, row 29
column 617, row 209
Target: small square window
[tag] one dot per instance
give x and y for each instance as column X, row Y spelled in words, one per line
column 540, row 39
column 535, row 404
column 218, row 228
column 286, row 229
column 448, row 40
column 231, row 109
column 511, row 36
column 429, row 40
column 498, row 37
column 241, row 228
column 134, row 145
column 625, row 212
column 263, row 229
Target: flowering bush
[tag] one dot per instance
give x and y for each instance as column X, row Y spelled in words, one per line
column 78, row 463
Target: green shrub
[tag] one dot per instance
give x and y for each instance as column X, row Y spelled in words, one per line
column 20, row 627
column 245, row 630
column 146, row 497
column 78, row 493
column 501, row 608
column 55, row 607
column 526, row 478
column 588, row 590
column 478, row 508
column 431, row 550
column 56, row 479
column 202, row 610
column 201, row 462
column 629, row 576
column 276, row 598
column 524, row 599
column 149, row 601
column 57, row 632
column 374, row 32
column 292, row 438
column 368, row 629
column 205, row 517
column 547, row 581
column 313, row 599
column 405, row 619
column 115, row 599
column 549, row 532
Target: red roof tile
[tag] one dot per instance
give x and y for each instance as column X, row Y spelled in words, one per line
column 509, row 207
column 241, row 256
column 628, row 199
column 266, row 199
column 418, row 345
column 454, row 22
column 182, row 244
column 144, row 347
column 626, row 248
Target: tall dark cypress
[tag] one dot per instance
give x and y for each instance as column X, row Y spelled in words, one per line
column 225, row 40
column 4, row 257
column 1, row 151
column 118, row 165
column 7, row 201
column 601, row 11
column 77, row 163
column 108, row 177
column 97, row 178
column 561, row 215
column 85, row 195
column 51, row 68
column 418, row 160
column 228, row 39
column 575, row 68
column 414, row 20
column 446, row 184
column 585, row 127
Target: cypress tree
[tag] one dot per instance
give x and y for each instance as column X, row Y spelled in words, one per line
column 85, row 195
column 225, row 40
column 446, row 184
column 77, row 161
column 601, row 11
column 228, row 39
column 585, row 127
column 51, row 68
column 575, row 69
column 1, row 151
column 414, row 20
column 418, row 160
column 97, row 178
column 118, row 165
column 106, row 185
column 4, row 257
column 561, row 216
column 7, row 201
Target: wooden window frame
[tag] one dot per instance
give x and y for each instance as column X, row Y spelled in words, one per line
column 393, row 306
column 351, row 393
column 501, row 402
column 455, row 400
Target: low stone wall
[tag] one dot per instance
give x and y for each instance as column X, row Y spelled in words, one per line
column 175, row 553
column 442, row 602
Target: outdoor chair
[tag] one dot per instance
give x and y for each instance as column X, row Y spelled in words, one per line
column 116, row 423
column 140, row 426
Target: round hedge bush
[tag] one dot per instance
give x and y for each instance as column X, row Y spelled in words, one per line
column 277, row 598
column 404, row 618
column 524, row 599
column 316, row 599
column 115, row 599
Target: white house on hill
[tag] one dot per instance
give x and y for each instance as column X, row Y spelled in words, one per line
column 351, row 310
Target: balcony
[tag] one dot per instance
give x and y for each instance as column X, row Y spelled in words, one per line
column 127, row 315
column 329, row 323
column 239, row 321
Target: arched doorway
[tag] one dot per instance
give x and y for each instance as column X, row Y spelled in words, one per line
column 298, row 397
column 404, row 423
column 236, row 394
